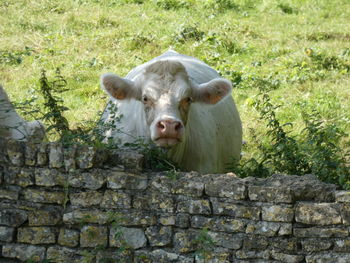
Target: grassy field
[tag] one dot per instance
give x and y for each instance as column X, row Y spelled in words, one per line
column 297, row 51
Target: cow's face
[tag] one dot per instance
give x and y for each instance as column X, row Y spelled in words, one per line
column 167, row 94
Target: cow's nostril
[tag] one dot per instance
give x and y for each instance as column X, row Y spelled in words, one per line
column 178, row 126
column 161, row 125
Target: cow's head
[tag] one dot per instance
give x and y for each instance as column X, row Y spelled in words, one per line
column 167, row 94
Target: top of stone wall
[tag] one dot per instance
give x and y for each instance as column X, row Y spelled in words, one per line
column 275, row 189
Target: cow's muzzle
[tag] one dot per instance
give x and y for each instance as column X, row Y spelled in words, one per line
column 168, row 132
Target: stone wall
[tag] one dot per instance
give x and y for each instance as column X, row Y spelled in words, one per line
column 86, row 205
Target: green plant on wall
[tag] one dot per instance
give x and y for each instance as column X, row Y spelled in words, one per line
column 203, row 245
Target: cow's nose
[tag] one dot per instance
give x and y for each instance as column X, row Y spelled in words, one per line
column 169, row 128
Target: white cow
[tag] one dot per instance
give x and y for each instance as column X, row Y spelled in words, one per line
column 12, row 126
column 181, row 103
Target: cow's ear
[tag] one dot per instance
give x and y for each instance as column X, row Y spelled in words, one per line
column 212, row 91
column 119, row 88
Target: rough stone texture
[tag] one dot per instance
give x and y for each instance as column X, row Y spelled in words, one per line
column 68, row 237
column 49, row 177
column 55, row 155
column 73, row 205
column 93, row 180
column 122, row 180
column 201, row 207
column 48, row 217
column 93, row 236
column 86, row 199
column 277, row 213
column 12, row 217
column 23, row 252
column 15, row 152
column 132, row 237
column 318, row 214
column 19, row 176
column 59, row 254
column 112, row 199
column 36, row 235
column 40, row 196
column 6, row 234
column 159, row 236
column 227, row 185
column 9, row 194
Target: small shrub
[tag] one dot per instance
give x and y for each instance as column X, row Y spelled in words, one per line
column 287, row 9
column 187, row 33
column 14, row 57
column 172, row 4
column 203, row 245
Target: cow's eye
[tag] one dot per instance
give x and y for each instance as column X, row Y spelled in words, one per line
column 144, row 99
column 189, row 100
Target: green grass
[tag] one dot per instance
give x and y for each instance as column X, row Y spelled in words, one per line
column 254, row 43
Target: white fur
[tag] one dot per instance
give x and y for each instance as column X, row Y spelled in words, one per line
column 213, row 134
column 13, row 126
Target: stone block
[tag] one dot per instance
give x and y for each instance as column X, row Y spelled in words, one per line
column 30, row 150
column 69, row 155
column 342, row 196
column 154, row 201
column 93, row 236
column 36, row 235
column 85, row 216
column 131, row 237
column 230, row 241
column 42, row 154
column 328, row 258
column 12, row 217
column 47, row 217
column 182, row 220
column 6, row 234
column 270, row 194
column 41, row 196
column 316, row 245
column 114, row 256
column 268, row 229
column 321, row 232
column 342, row 245
column 167, row 220
column 19, row 176
column 55, row 155
column 282, row 257
column 15, row 152
column 59, row 254
column 286, row 229
column 345, row 213
column 213, row 256
column 235, row 210
column 159, row 236
column 113, row 199
column 93, row 179
column 86, row 199
column 49, row 177
column 184, row 241
column 68, row 237
column 226, row 185
column 188, row 184
column 277, row 213
column 88, row 157
column 284, row 244
column 123, row 180
column 23, row 252
column 318, row 213
column 131, row 160
column 246, row 254
column 218, row 224
column 251, row 242
column 199, row 207
column 8, row 194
